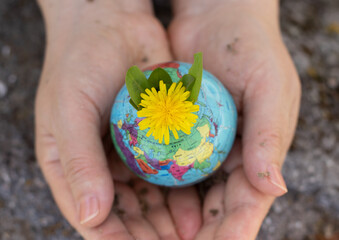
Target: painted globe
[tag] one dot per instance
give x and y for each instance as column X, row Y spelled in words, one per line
column 188, row 159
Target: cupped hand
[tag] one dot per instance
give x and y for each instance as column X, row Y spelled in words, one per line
column 90, row 46
column 242, row 46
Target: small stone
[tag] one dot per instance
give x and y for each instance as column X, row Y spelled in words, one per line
column 5, row 176
column 44, row 221
column 277, row 208
column 311, row 169
column 268, row 221
column 329, row 142
column 333, row 28
column 6, row 51
column 332, row 59
column 12, row 78
column 298, row 224
column 3, row 89
column 28, row 183
column 6, row 235
column 11, row 205
column 328, row 231
column 302, row 61
column 294, row 31
column 312, row 72
column 333, row 83
column 39, row 183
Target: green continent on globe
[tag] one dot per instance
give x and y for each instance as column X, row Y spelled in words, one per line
column 189, row 151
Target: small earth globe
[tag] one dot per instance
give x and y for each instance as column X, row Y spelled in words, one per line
column 188, row 159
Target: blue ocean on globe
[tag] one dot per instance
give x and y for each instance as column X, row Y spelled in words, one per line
column 189, row 159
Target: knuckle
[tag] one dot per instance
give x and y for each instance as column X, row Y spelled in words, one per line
column 272, row 140
column 89, row 101
column 242, row 207
column 147, row 23
column 80, row 111
column 76, row 170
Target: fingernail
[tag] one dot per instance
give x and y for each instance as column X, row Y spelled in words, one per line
column 276, row 178
column 89, row 209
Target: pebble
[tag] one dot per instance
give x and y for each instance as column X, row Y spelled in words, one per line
column 12, row 78
column 333, row 82
column 277, row 208
column 6, row 51
column 5, row 176
column 3, row 89
column 329, row 142
column 328, row 231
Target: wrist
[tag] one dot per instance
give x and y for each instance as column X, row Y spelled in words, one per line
column 50, row 8
column 64, row 13
column 237, row 13
column 90, row 22
column 268, row 9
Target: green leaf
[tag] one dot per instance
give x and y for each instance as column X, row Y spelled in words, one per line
column 136, row 83
column 188, row 82
column 196, row 72
column 157, row 75
column 134, row 105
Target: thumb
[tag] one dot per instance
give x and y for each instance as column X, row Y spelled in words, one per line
column 84, row 163
column 270, row 113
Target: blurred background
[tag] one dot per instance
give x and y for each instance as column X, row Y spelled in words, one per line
column 309, row 211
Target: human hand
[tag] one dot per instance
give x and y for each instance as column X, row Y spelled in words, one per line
column 242, row 46
column 90, row 47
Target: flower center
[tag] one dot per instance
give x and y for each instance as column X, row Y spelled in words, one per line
column 166, row 111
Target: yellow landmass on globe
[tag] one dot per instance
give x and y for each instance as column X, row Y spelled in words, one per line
column 119, row 123
column 200, row 153
column 138, row 151
column 216, row 166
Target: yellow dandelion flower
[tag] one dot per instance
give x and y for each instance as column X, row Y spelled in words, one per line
column 166, row 111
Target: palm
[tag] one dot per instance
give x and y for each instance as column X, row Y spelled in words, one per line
column 248, row 56
column 73, row 108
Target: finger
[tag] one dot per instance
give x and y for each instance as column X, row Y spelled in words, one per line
column 153, row 204
column 83, row 159
column 159, row 50
column 267, row 135
column 185, row 208
column 234, row 159
column 131, row 214
column 245, row 208
column 48, row 157
column 213, row 212
column 214, row 203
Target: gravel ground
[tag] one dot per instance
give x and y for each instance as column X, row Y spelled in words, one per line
column 309, row 211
